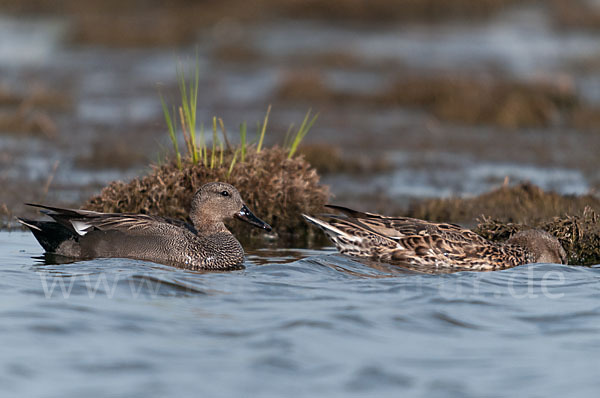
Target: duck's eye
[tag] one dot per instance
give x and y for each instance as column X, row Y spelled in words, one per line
column 225, row 193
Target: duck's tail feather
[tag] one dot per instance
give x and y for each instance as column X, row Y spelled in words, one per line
column 74, row 213
column 31, row 224
column 73, row 219
column 325, row 226
column 48, row 233
column 354, row 213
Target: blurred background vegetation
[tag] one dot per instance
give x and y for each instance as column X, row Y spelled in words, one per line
column 418, row 99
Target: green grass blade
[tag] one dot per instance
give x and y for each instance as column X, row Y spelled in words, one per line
column 243, row 131
column 189, row 101
column 288, row 137
column 186, row 136
column 302, row 131
column 262, row 132
column 224, row 134
column 235, row 155
column 221, row 152
column 203, row 145
column 193, row 102
column 214, row 143
column 172, row 127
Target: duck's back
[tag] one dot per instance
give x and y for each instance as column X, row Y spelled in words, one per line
column 414, row 242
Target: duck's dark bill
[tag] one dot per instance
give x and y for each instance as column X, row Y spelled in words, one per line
column 246, row 215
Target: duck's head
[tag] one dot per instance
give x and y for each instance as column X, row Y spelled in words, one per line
column 216, row 202
column 544, row 247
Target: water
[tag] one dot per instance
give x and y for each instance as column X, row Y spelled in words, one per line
column 294, row 323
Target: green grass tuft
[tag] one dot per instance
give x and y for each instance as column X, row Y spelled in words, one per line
column 301, row 133
column 221, row 150
column 172, row 127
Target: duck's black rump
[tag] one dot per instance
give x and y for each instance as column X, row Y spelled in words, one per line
column 49, row 234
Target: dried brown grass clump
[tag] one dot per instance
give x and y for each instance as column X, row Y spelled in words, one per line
column 328, row 159
column 276, row 188
column 586, row 118
column 5, row 216
column 111, row 155
column 329, row 59
column 306, row 85
column 147, row 23
column 524, row 203
column 237, row 52
column 28, row 121
column 126, row 23
column 38, row 96
column 576, row 14
column 130, row 30
column 398, row 10
column 475, row 101
column 30, row 112
column 507, row 210
column 579, row 234
column 472, row 101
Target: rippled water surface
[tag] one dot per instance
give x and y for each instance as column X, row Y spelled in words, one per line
column 294, row 323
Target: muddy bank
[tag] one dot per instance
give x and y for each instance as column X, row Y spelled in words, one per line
column 276, row 189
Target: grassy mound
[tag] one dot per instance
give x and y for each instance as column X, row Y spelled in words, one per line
column 523, row 203
column 275, row 187
column 579, row 235
column 329, row 159
column 274, row 183
column 464, row 100
column 503, row 103
column 572, row 219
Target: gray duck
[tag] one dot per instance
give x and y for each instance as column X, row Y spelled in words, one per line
column 206, row 244
column 421, row 244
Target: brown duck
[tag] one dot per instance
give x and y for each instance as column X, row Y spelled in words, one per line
column 206, row 244
column 418, row 243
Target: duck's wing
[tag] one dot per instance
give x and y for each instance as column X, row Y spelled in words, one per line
column 405, row 227
column 84, row 221
column 352, row 237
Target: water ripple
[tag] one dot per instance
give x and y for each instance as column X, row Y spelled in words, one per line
column 320, row 322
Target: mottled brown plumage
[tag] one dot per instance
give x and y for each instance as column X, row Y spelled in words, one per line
column 418, row 243
column 207, row 244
